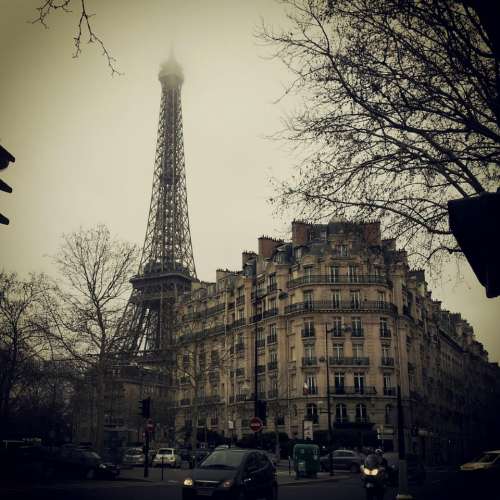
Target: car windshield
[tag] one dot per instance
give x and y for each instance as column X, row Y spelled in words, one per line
column 165, row 451
column 488, row 457
column 223, row 459
column 134, row 451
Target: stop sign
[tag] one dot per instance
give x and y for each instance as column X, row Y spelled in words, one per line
column 256, row 424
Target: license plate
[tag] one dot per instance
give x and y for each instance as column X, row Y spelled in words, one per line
column 206, row 492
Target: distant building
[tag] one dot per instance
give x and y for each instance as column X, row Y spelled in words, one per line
column 384, row 329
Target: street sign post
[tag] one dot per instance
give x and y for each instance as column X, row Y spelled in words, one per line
column 256, row 424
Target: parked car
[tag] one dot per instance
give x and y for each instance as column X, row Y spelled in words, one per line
column 132, row 457
column 416, row 472
column 488, row 461
column 342, row 459
column 84, row 463
column 167, row 457
column 233, row 473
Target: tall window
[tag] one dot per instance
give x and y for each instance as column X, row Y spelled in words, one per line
column 308, row 299
column 381, row 299
column 357, row 350
column 271, row 281
column 309, row 352
column 361, row 415
column 308, row 272
column 273, row 356
column 241, row 314
column 353, row 274
column 312, row 412
column 272, row 334
column 357, row 326
column 261, row 339
column 261, row 387
column 334, row 274
column 271, row 304
column 310, row 385
column 337, row 326
column 388, row 419
column 339, row 378
column 355, row 299
column 341, row 250
column 384, row 329
column 359, row 382
column 386, row 351
column 338, row 351
column 388, row 384
column 340, row 413
column 336, row 299
column 308, row 328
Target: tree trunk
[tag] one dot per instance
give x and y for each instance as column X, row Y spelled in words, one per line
column 99, row 424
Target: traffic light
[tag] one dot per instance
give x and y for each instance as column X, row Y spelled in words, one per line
column 262, row 410
column 5, row 159
column 145, row 407
column 474, row 223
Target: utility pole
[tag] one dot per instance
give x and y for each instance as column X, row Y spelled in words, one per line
column 403, row 493
column 328, row 403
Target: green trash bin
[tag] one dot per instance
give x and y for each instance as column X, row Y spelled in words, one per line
column 306, row 460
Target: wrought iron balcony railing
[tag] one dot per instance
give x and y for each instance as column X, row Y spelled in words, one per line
column 320, row 279
column 387, row 361
column 353, row 390
column 272, row 365
column 329, row 306
column 310, row 361
column 348, row 361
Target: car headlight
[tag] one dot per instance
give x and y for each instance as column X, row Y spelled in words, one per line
column 188, row 482
column 102, row 466
column 227, row 483
column 374, row 472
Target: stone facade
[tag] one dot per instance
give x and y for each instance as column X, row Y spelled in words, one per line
column 336, row 296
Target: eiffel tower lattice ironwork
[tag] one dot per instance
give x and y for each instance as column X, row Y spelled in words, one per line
column 167, row 266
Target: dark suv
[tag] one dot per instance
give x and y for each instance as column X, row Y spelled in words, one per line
column 233, row 473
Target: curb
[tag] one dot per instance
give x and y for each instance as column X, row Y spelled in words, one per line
column 301, row 482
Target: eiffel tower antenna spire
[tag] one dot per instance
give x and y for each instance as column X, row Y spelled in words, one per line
column 167, row 266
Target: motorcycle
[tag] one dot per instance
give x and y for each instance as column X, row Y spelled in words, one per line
column 373, row 475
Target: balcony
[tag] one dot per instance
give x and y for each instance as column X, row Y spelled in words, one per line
column 272, row 287
column 238, row 323
column 353, row 391
column 185, row 402
column 260, row 342
column 310, row 361
column 240, row 300
column 325, row 279
column 385, row 333
column 272, row 365
column 308, row 333
column 387, row 362
column 241, row 397
column 344, row 361
column 332, row 306
column 390, row 391
column 261, row 368
column 272, row 339
column 270, row 313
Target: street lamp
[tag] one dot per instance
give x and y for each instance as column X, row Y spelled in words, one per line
column 328, row 403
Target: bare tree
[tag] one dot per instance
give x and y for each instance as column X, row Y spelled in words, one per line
column 22, row 343
column 84, row 27
column 89, row 301
column 400, row 114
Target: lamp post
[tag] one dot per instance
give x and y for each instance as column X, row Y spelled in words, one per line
column 328, row 403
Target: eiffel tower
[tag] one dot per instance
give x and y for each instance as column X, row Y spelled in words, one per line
column 166, row 267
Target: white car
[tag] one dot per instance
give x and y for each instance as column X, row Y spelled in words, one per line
column 488, row 460
column 167, row 457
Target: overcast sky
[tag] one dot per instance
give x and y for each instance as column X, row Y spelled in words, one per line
column 85, row 142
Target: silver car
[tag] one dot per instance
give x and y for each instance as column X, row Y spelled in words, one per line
column 133, row 456
column 167, row 457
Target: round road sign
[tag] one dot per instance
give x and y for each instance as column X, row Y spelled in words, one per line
column 256, row 424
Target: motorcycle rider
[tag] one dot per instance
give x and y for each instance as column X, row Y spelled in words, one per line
column 374, row 475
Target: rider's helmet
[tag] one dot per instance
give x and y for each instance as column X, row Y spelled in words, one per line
column 379, row 452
